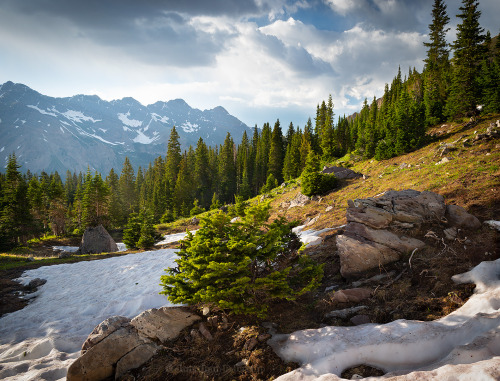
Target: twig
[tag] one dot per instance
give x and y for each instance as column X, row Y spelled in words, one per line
column 395, row 279
column 411, row 256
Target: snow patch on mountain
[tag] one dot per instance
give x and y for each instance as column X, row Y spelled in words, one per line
column 190, row 127
column 44, row 112
column 129, row 122
column 78, row 116
column 143, row 139
column 159, row 118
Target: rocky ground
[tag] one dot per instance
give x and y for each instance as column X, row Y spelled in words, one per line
column 415, row 287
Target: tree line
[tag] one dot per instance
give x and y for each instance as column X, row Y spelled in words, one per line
column 185, row 183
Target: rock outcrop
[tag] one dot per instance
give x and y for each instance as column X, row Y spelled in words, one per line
column 97, row 240
column 342, row 173
column 119, row 344
column 373, row 235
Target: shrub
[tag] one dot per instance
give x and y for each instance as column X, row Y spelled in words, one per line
column 313, row 181
column 241, row 266
column 132, row 232
column 271, row 183
column 197, row 209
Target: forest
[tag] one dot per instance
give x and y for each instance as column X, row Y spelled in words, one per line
column 184, row 183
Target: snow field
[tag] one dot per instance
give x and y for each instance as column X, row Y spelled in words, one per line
column 43, row 339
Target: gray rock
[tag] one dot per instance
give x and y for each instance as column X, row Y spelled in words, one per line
column 35, row 283
column 345, row 313
column 164, row 323
column 459, row 217
column 341, row 172
column 99, row 362
column 328, row 209
column 360, row 319
column 135, row 358
column 358, row 255
column 370, row 216
column 450, row 234
column 299, row 200
column 97, row 240
column 384, row 237
column 354, row 295
column 103, row 330
column 194, row 221
column 64, row 254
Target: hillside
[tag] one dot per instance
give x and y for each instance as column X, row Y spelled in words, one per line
column 58, row 134
column 417, row 287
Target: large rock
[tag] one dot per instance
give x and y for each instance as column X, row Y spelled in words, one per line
column 164, row 323
column 373, row 233
column 119, row 344
column 458, row 216
column 401, row 244
column 99, row 362
column 354, row 295
column 342, row 173
column 97, row 240
column 358, row 255
column 299, row 200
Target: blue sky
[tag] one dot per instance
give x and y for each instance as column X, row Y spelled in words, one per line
column 260, row 59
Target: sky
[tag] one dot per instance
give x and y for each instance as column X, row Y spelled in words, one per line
column 262, row 60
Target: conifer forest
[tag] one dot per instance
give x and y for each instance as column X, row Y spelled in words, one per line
column 456, row 78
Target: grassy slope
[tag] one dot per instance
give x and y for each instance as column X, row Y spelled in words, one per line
column 471, row 179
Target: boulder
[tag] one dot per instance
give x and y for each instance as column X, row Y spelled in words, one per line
column 119, row 344
column 358, row 255
column 354, row 295
column 370, row 216
column 99, row 362
column 163, row 323
column 103, row 330
column 341, row 172
column 299, row 200
column 458, row 216
column 401, row 244
column 360, row 319
column 97, row 240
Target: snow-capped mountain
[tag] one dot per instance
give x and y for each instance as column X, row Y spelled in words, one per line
column 49, row 134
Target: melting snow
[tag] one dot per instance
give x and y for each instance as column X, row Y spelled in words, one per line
column 129, row 122
column 103, row 130
column 43, row 339
column 468, row 335
column 189, row 127
column 41, row 111
column 159, row 118
column 143, row 139
column 174, row 238
column 61, row 129
column 78, row 117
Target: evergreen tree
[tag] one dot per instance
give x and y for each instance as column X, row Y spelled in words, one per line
column 174, row 156
column 128, row 195
column 276, row 154
column 314, row 182
column 183, row 191
column 240, row 266
column 468, row 52
column 115, row 208
column 202, row 174
column 436, row 65
column 227, row 171
column 132, row 231
column 147, row 235
column 15, row 219
column 95, row 202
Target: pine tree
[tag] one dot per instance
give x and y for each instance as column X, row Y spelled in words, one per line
column 174, row 156
column 183, row 191
column 276, row 154
column 436, row 65
column 15, row 219
column 202, row 174
column 147, row 235
column 115, row 208
column 468, row 52
column 128, row 195
column 132, row 231
column 95, row 202
column 227, row 171
column 314, row 182
column 240, row 266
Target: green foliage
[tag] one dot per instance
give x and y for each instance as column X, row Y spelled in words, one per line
column 196, row 209
column 271, row 183
column 147, row 234
column 132, row 232
column 167, row 217
column 240, row 266
column 315, row 182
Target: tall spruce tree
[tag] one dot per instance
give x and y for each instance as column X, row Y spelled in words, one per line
column 174, row 157
column 436, row 65
column 468, row 53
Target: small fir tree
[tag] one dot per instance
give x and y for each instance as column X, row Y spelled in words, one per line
column 240, row 266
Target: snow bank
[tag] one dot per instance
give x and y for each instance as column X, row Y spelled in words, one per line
column 43, row 339
column 311, row 237
column 173, row 238
column 470, row 334
column 74, row 249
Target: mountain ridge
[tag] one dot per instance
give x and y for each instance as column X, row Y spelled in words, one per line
column 84, row 131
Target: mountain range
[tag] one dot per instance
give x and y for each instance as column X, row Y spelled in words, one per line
column 79, row 132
